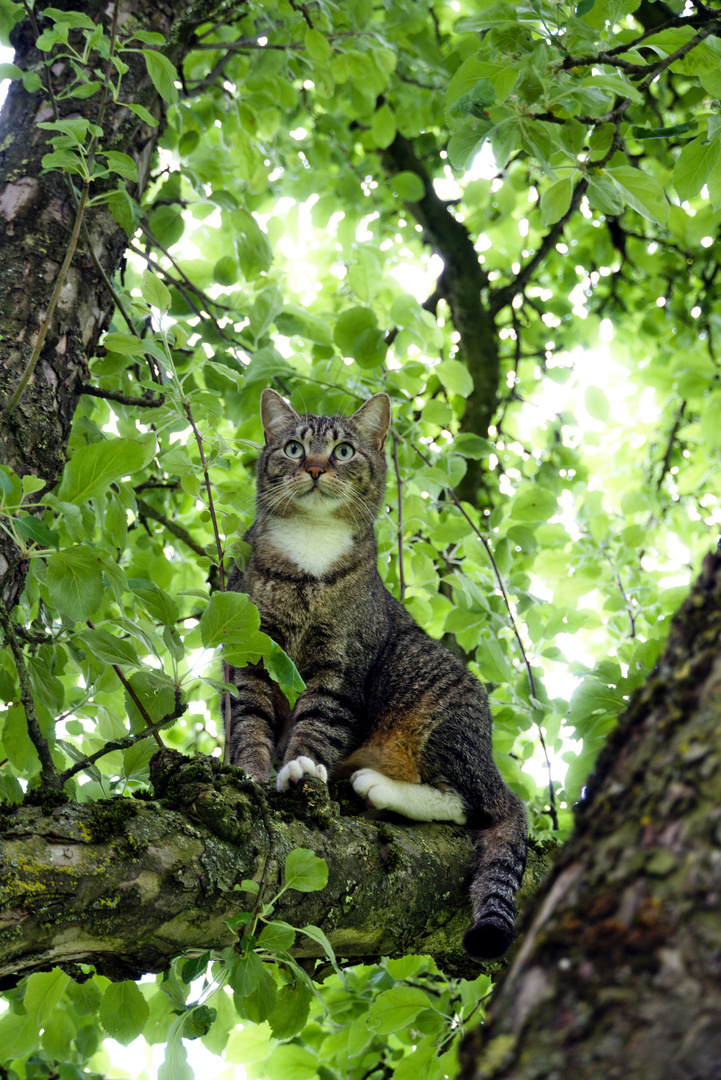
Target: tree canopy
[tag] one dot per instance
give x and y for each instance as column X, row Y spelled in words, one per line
column 504, row 215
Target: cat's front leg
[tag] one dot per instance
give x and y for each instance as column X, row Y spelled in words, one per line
column 255, row 720
column 323, row 726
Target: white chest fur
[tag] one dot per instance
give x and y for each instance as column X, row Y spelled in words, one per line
column 313, row 545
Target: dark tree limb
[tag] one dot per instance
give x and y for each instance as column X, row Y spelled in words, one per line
column 461, row 285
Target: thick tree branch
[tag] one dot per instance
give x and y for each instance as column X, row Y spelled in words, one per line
column 126, row 885
column 461, row 285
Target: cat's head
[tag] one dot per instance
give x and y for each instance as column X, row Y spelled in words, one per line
column 323, row 466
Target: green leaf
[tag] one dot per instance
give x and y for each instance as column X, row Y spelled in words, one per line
column 597, row 404
column 533, row 504
column 19, row 748
column 175, row 1063
column 11, row 71
column 711, row 420
column 143, row 113
column 317, row 45
column 641, row 191
column 228, row 618
column 293, row 1063
column 122, row 164
column 283, row 670
column 109, row 649
column 75, row 583
column 408, row 186
column 43, row 994
column 156, row 602
column 396, row 1008
column 304, row 871
column 123, row 1011
column 316, row 934
column 290, row 1014
column 258, row 1000
column 19, row 1036
column 455, row 377
column 276, row 936
column 245, row 974
column 155, row 292
column 162, row 74
column 383, row 126
column 556, row 200
column 31, row 528
column 95, row 466
column 694, row 166
column 350, row 325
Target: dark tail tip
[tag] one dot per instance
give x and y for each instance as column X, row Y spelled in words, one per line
column 487, row 940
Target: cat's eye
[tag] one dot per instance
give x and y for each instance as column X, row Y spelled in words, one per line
column 343, row 451
column 294, row 449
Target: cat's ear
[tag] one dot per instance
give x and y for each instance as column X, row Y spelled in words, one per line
column 275, row 414
column 374, row 418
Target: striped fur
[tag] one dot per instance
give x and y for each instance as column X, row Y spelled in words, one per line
column 385, row 705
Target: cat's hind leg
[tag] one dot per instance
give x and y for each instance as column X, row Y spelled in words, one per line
column 420, row 802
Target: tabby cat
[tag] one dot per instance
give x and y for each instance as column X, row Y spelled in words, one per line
column 385, row 704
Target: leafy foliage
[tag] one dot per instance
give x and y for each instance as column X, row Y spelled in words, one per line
column 284, row 239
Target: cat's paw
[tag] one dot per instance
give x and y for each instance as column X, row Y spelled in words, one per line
column 372, row 786
column 299, row 767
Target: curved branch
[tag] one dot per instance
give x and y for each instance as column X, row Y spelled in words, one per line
column 461, row 285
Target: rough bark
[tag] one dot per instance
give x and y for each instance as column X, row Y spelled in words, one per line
column 619, row 973
column 127, row 884
column 37, row 215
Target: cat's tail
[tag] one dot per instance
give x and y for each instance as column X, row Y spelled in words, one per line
column 496, row 873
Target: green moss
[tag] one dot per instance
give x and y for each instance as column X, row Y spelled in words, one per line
column 108, row 817
column 48, row 798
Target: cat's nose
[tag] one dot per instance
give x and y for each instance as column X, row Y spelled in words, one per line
column 315, row 467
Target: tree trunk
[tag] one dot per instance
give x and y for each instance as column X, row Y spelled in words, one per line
column 37, row 215
column 619, row 973
column 126, row 885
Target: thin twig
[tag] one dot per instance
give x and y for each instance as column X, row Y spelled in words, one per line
column 221, row 569
column 399, row 485
column 514, row 627
column 208, row 488
column 505, row 295
column 129, row 740
column 145, row 402
column 138, row 703
column 48, row 773
column 145, row 510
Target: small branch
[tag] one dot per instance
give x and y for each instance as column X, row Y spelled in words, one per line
column 147, row 401
column 665, row 465
column 303, row 9
column 514, row 627
column 48, row 773
column 211, row 504
column 504, row 296
column 145, row 510
column 138, row 703
column 399, row 485
column 129, row 740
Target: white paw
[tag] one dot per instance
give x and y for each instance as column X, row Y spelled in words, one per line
column 300, row 766
column 372, row 786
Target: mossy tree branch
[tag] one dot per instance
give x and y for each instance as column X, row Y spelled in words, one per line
column 126, row 884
